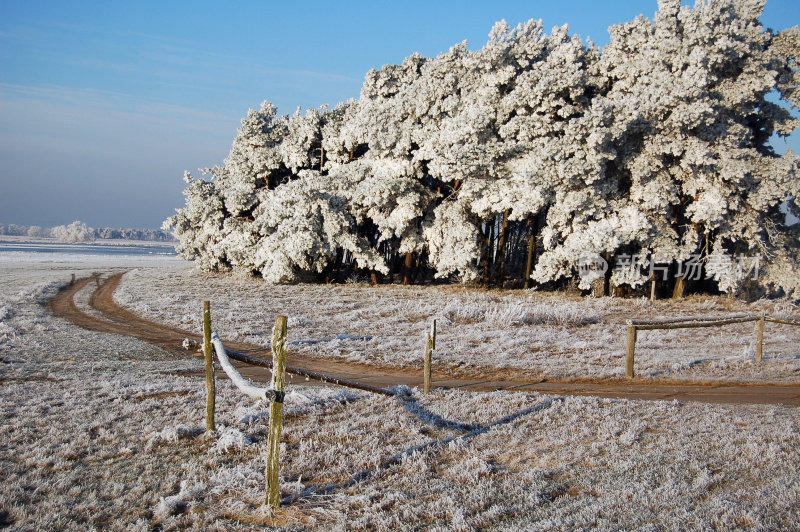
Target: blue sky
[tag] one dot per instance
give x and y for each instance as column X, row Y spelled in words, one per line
column 103, row 105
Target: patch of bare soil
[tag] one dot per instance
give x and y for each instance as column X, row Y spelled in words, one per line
column 117, row 320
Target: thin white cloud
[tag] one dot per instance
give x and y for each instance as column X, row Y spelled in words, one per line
column 84, row 99
column 319, row 76
column 164, row 51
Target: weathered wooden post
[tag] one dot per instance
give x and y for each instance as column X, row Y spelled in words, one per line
column 630, row 351
column 760, row 338
column 276, row 410
column 430, row 346
column 208, row 352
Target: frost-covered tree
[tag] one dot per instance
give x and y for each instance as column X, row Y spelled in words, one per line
column 35, row 231
column 692, row 170
column 16, row 230
column 77, row 231
column 198, row 226
column 656, row 145
column 689, row 93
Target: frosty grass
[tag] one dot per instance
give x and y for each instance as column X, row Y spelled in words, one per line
column 102, row 432
column 535, row 334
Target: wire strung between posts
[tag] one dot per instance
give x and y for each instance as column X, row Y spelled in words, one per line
column 310, row 374
column 253, row 361
column 236, row 377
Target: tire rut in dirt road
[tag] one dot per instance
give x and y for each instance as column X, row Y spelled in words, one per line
column 118, row 320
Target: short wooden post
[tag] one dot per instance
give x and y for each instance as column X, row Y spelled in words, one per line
column 72, row 282
column 276, row 410
column 760, row 338
column 630, row 352
column 208, row 352
column 430, row 346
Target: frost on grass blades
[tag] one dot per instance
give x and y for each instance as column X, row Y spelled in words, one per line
column 457, row 166
column 101, row 431
column 529, row 334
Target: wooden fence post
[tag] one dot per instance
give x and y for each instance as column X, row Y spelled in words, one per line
column 630, row 352
column 276, row 410
column 760, row 338
column 208, row 351
column 430, row 346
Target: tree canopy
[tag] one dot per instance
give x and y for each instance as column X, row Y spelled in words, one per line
column 655, row 147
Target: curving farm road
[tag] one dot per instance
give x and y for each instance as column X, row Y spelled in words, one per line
column 111, row 318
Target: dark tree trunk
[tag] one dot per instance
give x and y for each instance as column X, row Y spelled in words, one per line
column 679, row 288
column 502, row 250
column 533, row 223
column 332, row 271
column 418, row 268
column 598, row 287
column 409, row 264
column 653, row 287
column 391, row 260
column 487, row 267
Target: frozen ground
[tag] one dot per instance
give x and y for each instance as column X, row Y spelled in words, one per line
column 529, row 334
column 98, row 432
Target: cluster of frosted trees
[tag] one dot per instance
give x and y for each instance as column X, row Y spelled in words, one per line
column 78, row 231
column 75, row 232
column 511, row 164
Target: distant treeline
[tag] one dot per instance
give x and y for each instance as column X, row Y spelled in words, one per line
column 80, row 232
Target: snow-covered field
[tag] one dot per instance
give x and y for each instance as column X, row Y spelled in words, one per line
column 102, row 432
column 528, row 333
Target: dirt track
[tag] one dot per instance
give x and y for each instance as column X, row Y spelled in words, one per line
column 117, row 320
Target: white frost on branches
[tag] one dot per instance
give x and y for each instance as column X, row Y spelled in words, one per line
column 77, row 231
column 656, row 144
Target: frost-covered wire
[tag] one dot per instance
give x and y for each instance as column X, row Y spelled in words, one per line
column 233, row 373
